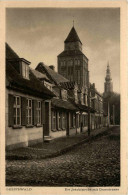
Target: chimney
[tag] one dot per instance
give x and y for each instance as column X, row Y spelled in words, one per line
column 52, row 67
column 93, row 85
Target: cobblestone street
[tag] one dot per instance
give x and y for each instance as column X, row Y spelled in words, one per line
column 95, row 163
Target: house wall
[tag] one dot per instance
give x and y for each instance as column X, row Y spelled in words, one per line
column 21, row 137
column 58, row 134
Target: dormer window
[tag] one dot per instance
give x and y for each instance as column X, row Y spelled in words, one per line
column 24, row 68
column 25, row 71
column 64, row 94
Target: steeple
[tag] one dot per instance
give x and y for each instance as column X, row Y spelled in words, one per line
column 108, row 85
column 72, row 63
column 108, row 73
column 73, row 42
column 72, row 36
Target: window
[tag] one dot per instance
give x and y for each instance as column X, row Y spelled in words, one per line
column 71, row 62
column 64, row 120
column 54, row 120
column 71, row 120
column 78, row 76
column 85, row 120
column 60, row 120
column 39, row 112
column 70, row 70
column 64, row 94
column 75, row 62
column 29, row 112
column 25, row 70
column 78, row 62
column 17, row 110
column 84, row 99
column 74, row 120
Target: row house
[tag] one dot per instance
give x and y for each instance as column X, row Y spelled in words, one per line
column 25, row 102
column 61, row 111
column 69, row 109
column 98, row 119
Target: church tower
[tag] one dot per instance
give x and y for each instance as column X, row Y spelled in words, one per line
column 72, row 63
column 108, row 85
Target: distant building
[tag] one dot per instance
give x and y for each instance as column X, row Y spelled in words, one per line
column 72, row 63
column 108, row 85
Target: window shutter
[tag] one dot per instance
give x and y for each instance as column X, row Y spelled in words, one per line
column 10, row 111
column 34, row 108
column 43, row 112
column 23, row 110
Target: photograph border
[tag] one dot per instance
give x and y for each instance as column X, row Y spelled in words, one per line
column 122, row 4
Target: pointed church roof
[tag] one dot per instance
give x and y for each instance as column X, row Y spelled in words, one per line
column 108, row 73
column 73, row 36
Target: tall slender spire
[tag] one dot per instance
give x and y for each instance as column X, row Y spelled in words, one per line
column 108, row 86
column 108, row 73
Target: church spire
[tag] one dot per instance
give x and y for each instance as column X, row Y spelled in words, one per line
column 108, row 73
column 72, row 36
column 108, row 86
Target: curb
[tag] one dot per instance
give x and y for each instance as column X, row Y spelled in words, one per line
column 59, row 152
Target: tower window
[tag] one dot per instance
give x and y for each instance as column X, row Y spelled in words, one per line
column 78, row 62
column 75, row 62
column 70, row 70
column 71, row 62
column 78, row 76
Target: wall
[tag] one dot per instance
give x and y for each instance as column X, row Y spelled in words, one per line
column 57, row 134
column 24, row 136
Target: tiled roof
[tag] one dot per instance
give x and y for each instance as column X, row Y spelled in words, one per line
column 51, row 74
column 59, row 103
column 32, row 86
column 16, row 81
column 39, row 75
column 71, row 53
column 10, row 53
column 72, row 36
column 68, row 85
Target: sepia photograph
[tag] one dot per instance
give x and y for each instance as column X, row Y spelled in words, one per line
column 62, row 97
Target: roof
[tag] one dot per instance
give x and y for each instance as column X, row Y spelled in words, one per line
column 71, row 53
column 51, row 74
column 59, row 103
column 10, row 53
column 16, row 81
column 72, row 36
column 68, row 85
column 39, row 75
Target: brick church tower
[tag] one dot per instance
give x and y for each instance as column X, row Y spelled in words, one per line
column 72, row 63
column 108, row 85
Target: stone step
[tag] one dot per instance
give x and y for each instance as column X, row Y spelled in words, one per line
column 48, row 138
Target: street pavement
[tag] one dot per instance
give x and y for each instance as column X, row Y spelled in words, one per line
column 95, row 163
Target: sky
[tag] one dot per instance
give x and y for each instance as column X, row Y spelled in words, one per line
column 38, row 34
